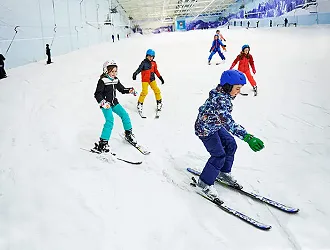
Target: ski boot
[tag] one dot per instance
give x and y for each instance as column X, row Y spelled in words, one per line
column 229, row 179
column 129, row 136
column 101, row 147
column 159, row 105
column 140, row 109
column 255, row 90
column 208, row 190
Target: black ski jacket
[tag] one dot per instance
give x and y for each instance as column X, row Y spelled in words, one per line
column 106, row 89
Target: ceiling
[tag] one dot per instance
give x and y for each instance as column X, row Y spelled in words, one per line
column 167, row 10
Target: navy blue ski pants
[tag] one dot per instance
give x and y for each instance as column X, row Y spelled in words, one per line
column 214, row 52
column 222, row 147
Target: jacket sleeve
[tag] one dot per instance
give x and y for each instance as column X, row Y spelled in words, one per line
column 228, row 122
column 99, row 91
column 2, row 57
column 252, row 63
column 221, row 43
column 156, row 70
column 234, row 62
column 213, row 46
column 140, row 68
column 121, row 88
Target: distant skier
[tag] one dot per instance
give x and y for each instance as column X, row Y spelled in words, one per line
column 216, row 48
column 244, row 59
column 3, row 73
column 286, row 22
column 148, row 69
column 49, row 60
column 105, row 95
column 212, row 126
column 222, row 39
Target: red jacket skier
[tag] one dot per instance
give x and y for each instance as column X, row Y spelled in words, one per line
column 245, row 60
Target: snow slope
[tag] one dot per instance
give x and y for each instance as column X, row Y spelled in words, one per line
column 55, row 196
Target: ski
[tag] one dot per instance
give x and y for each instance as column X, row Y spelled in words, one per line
column 114, row 154
column 232, row 211
column 252, row 195
column 255, row 90
column 138, row 146
column 142, row 115
column 157, row 114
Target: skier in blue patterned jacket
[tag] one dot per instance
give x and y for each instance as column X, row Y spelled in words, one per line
column 212, row 126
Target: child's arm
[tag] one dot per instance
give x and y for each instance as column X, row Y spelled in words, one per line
column 140, row 68
column 99, row 90
column 158, row 74
column 221, row 43
column 234, row 62
column 228, row 122
column 252, row 64
column 222, row 38
column 213, row 46
column 121, row 88
column 124, row 90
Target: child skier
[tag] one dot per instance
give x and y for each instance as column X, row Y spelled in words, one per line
column 216, row 48
column 212, row 126
column 105, row 95
column 244, row 59
column 148, row 69
column 221, row 39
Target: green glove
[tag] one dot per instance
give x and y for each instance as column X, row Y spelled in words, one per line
column 254, row 143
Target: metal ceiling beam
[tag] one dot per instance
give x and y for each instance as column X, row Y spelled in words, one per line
column 172, row 8
column 204, row 9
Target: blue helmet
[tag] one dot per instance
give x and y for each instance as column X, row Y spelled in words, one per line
column 245, row 46
column 232, row 77
column 150, row 52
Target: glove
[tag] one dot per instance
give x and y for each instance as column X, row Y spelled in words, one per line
column 254, row 71
column 133, row 91
column 161, row 79
column 210, row 50
column 134, row 76
column 104, row 104
column 254, row 143
column 225, row 45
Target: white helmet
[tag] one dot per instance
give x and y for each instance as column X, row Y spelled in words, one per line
column 108, row 63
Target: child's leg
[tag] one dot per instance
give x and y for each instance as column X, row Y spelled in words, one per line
column 215, row 163
column 144, row 91
column 108, row 125
column 229, row 144
column 250, row 78
column 211, row 55
column 121, row 112
column 221, row 55
column 156, row 90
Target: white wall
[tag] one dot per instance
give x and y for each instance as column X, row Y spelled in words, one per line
column 79, row 23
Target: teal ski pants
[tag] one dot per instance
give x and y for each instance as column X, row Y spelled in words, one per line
column 109, row 119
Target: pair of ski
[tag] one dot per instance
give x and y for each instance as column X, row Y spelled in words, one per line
column 138, row 146
column 246, row 94
column 252, row 195
column 158, row 111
